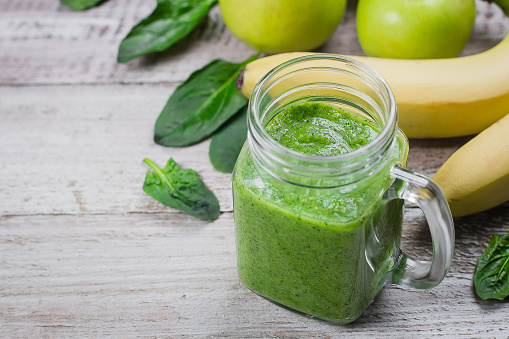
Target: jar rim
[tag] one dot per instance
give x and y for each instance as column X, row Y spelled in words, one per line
column 386, row 134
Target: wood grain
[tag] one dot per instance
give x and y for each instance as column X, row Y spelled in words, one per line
column 85, row 253
column 43, row 42
column 79, row 149
column 165, row 274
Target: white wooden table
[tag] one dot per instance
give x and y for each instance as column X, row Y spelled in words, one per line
column 84, row 252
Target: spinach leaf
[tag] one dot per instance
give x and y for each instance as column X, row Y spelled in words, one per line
column 226, row 144
column 199, row 106
column 491, row 276
column 80, row 5
column 182, row 189
column 171, row 21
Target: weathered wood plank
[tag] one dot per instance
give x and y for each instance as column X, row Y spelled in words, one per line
column 170, row 275
column 85, row 253
column 53, row 45
column 79, row 149
column 43, row 42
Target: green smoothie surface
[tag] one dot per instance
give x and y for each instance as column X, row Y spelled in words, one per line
column 319, row 129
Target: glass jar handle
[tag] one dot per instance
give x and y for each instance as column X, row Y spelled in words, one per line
column 430, row 198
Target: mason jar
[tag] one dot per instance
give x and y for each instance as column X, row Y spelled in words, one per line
column 321, row 234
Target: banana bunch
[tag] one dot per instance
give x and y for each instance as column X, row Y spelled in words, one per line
column 476, row 177
column 440, row 98
column 436, row 98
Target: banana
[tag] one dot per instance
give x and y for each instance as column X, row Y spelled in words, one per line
column 436, row 98
column 476, row 177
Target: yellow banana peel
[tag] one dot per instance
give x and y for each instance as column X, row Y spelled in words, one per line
column 436, row 98
column 476, row 177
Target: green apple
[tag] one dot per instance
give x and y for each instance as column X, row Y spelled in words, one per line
column 276, row 26
column 414, row 29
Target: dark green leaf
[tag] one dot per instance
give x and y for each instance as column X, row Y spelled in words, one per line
column 491, row 276
column 80, row 5
column 503, row 4
column 182, row 189
column 171, row 21
column 198, row 107
column 226, row 143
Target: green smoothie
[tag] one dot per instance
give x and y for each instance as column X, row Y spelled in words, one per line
column 320, row 129
column 326, row 253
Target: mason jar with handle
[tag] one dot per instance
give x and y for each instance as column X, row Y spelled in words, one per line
column 320, row 234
